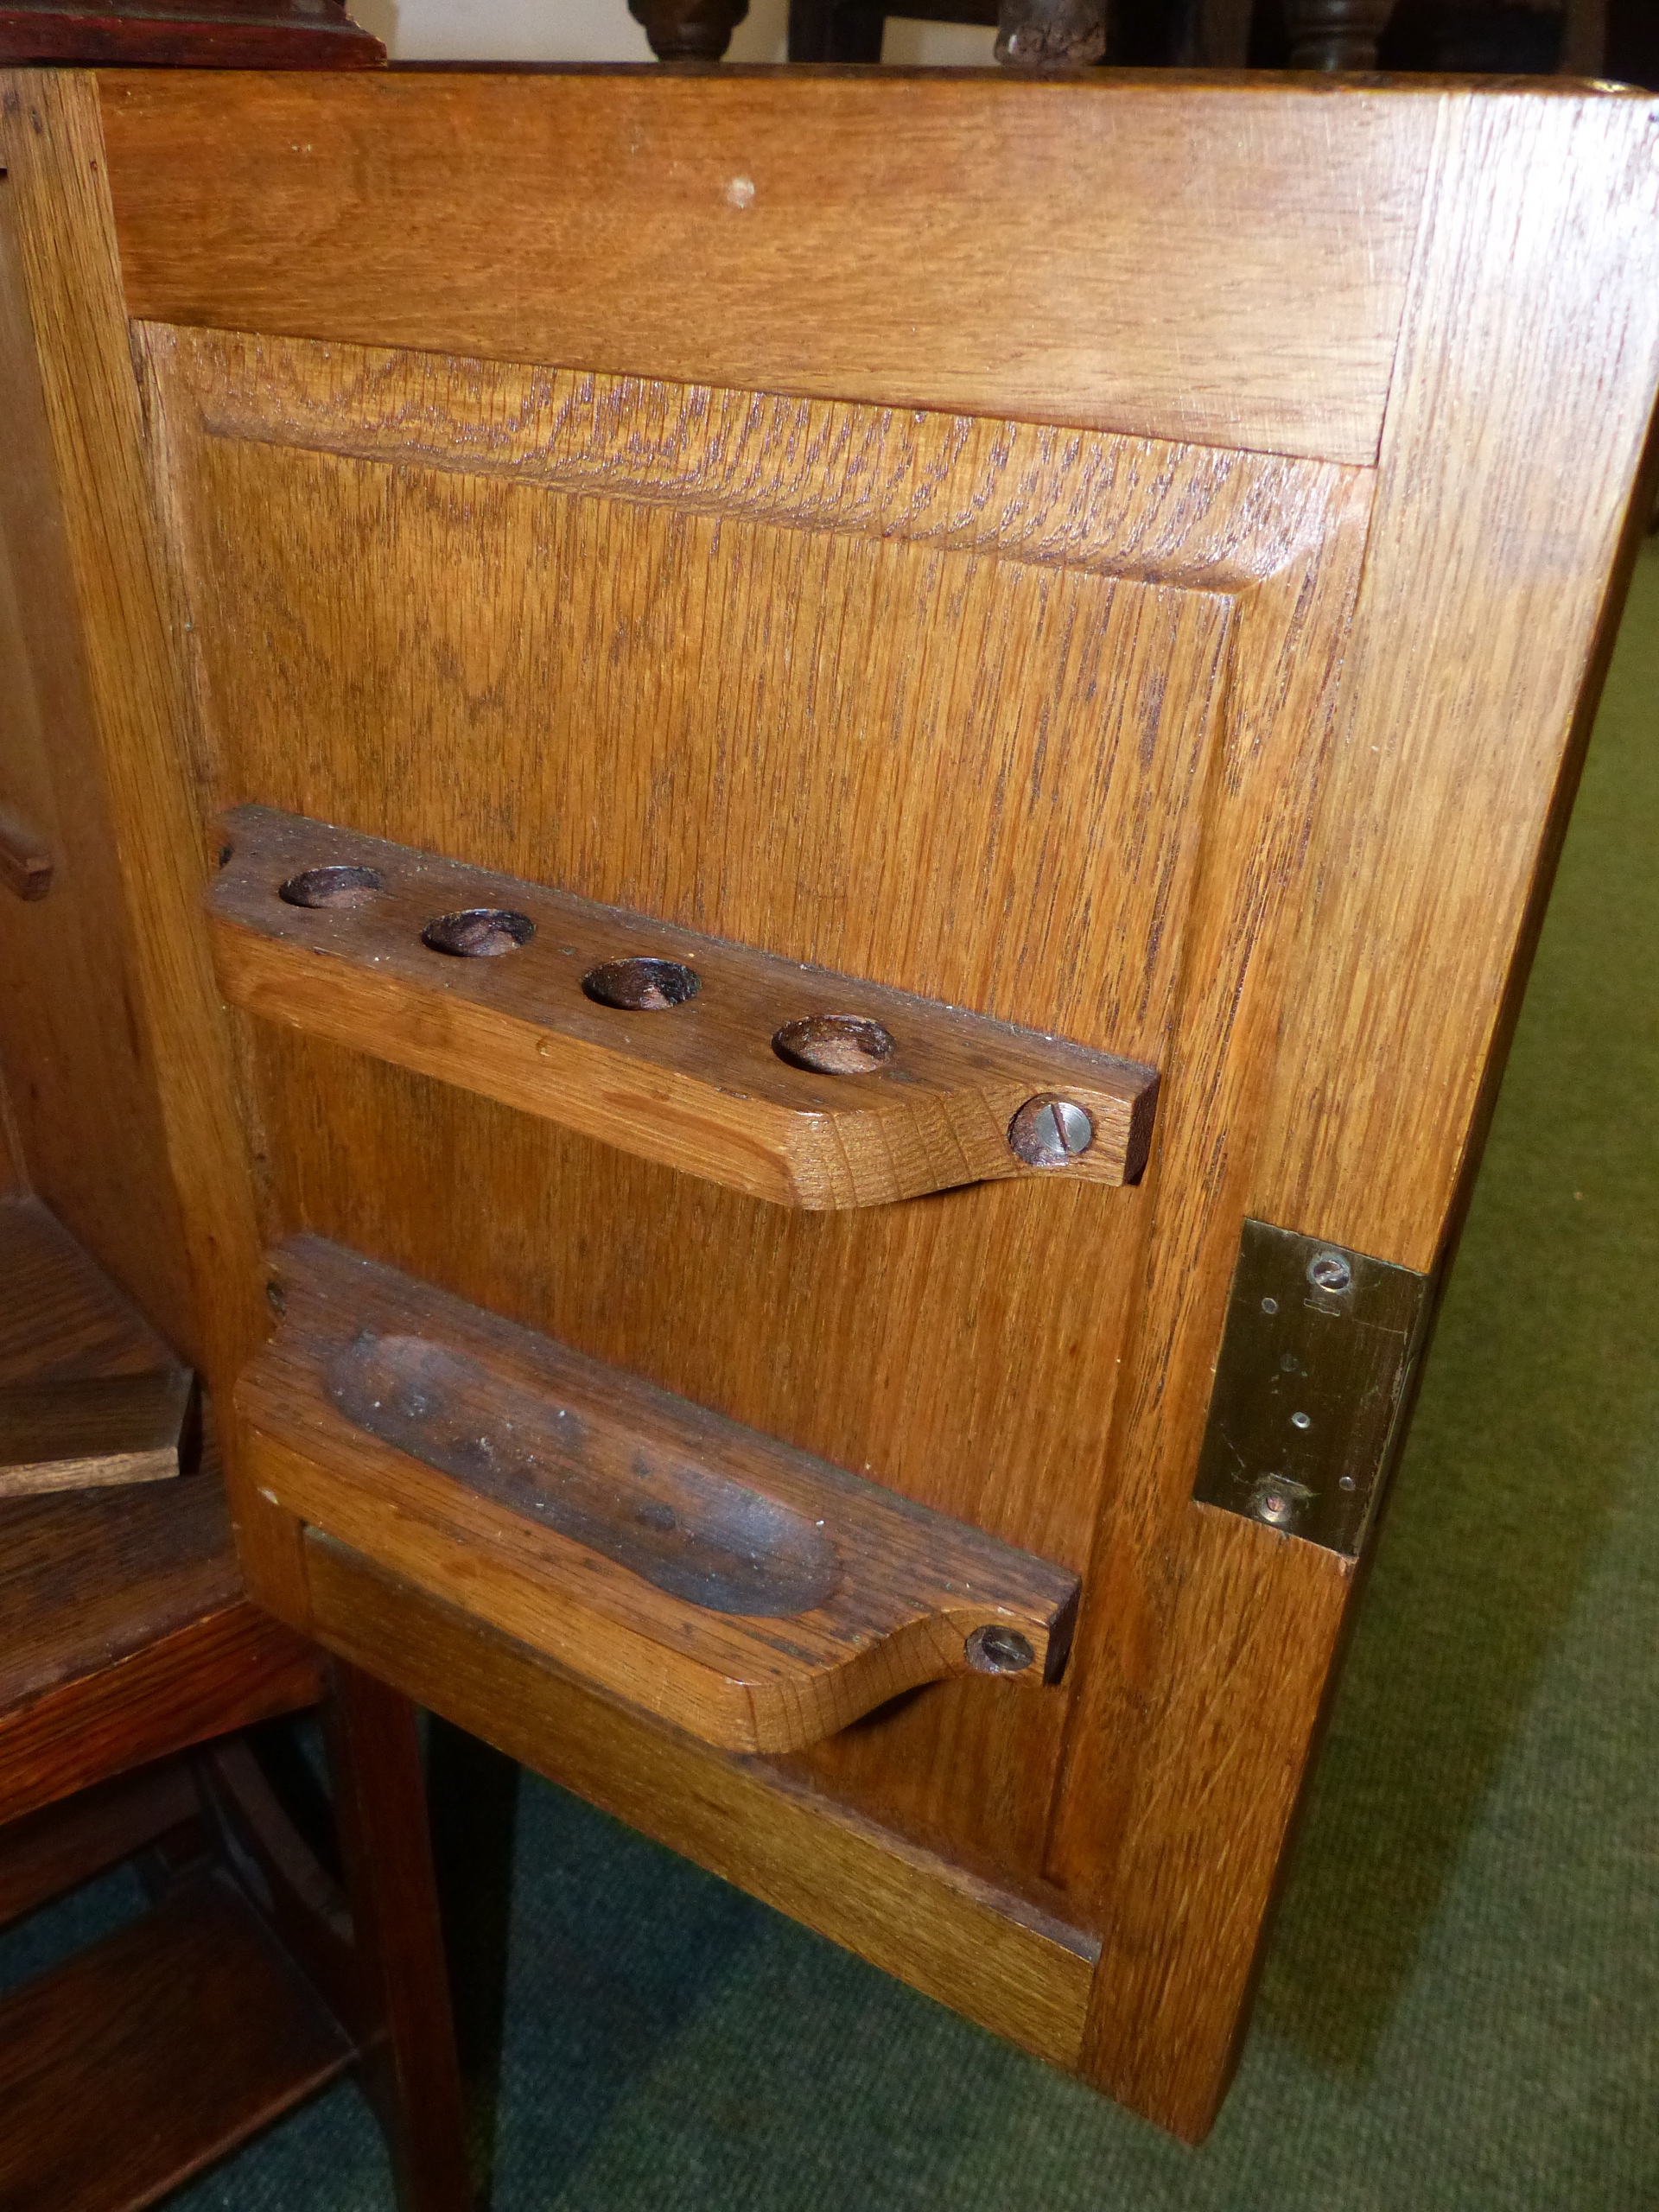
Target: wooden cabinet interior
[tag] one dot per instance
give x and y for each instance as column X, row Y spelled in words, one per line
column 87, row 1432
column 756, row 1597
column 780, row 1080
column 787, row 509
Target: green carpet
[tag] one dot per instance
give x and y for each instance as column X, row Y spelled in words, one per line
column 1462, row 2006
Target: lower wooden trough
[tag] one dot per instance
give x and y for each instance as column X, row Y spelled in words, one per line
column 757, row 1597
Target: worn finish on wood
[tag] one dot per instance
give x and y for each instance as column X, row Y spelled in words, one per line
column 153, row 2054
column 94, row 1431
column 936, row 673
column 760, row 1598
column 926, row 241
column 188, row 34
column 671, row 1043
column 127, row 1633
column 1007, row 1959
column 990, row 712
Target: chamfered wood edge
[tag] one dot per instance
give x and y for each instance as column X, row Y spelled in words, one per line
column 1003, row 1960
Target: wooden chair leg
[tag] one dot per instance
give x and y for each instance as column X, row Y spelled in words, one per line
column 410, row 2064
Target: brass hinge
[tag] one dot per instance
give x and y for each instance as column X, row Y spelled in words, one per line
column 1320, row 1344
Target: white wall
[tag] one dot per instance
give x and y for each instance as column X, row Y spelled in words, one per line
column 603, row 30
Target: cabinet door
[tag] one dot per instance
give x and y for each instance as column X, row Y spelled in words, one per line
column 1116, row 571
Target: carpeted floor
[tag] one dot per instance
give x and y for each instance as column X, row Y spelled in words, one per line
column 1462, row 2008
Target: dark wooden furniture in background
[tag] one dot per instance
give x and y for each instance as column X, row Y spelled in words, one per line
column 188, row 34
column 1581, row 38
column 128, row 1652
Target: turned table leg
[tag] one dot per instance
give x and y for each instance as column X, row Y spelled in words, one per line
column 1336, row 34
column 689, row 30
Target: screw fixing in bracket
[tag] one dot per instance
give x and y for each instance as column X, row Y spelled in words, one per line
column 994, row 1650
column 1051, row 1132
column 1330, row 1271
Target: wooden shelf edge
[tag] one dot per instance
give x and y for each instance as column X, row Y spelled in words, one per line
column 93, row 1432
column 757, row 1597
column 197, row 2032
column 925, row 1099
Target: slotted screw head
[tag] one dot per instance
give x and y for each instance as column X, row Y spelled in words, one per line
column 1049, row 1132
column 1329, row 1271
column 993, row 1650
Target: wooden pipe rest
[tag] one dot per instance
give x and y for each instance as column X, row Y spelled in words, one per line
column 757, row 1597
column 904, row 1096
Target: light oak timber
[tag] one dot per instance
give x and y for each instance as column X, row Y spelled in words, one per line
column 1011, row 1962
column 93, row 1431
column 925, row 752
column 66, row 980
column 932, row 241
column 760, row 621
column 756, row 1597
column 1531, row 349
column 701, row 1086
column 94, row 546
column 1145, row 508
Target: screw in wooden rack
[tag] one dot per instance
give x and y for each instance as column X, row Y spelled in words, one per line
column 479, row 933
column 834, row 1044
column 1051, row 1132
column 992, row 1651
column 641, row 985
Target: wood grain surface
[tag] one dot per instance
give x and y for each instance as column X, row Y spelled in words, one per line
column 80, row 1071
column 179, row 1229
column 756, row 1597
column 964, row 242
column 508, row 486
column 1006, row 1956
column 95, row 1431
column 711, row 1086
column 923, row 754
column 1530, row 358
column 196, row 2031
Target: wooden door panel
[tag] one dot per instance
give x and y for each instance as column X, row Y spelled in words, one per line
column 820, row 564
column 884, row 691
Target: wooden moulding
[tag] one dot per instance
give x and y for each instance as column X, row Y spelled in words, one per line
column 757, row 1597
column 699, row 1084
column 87, row 1431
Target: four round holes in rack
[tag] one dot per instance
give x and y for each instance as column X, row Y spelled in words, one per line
column 1046, row 1132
